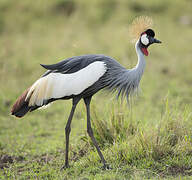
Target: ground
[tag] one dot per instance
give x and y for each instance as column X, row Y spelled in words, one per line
column 151, row 138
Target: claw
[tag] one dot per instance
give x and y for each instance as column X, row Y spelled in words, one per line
column 64, row 167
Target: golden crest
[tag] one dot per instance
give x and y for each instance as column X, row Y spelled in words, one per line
column 139, row 25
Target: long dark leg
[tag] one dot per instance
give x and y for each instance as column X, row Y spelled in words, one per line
column 68, row 130
column 90, row 131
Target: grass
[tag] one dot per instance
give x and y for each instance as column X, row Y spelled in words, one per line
column 151, row 139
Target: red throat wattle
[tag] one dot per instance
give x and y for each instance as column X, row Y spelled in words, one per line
column 145, row 51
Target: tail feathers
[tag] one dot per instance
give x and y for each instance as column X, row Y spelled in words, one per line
column 39, row 94
column 22, row 111
column 27, row 102
column 20, row 108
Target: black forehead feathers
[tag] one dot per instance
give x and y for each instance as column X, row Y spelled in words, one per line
column 150, row 32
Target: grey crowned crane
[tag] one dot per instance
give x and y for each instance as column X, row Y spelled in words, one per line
column 81, row 77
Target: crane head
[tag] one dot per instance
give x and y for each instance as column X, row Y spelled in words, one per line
column 146, row 39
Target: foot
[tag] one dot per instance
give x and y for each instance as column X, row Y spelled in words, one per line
column 65, row 167
column 106, row 167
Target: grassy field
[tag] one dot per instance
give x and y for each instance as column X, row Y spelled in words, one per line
column 151, row 139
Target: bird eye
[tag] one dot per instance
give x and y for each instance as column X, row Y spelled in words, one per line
column 144, row 39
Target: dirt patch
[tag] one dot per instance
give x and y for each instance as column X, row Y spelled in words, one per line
column 6, row 160
column 177, row 170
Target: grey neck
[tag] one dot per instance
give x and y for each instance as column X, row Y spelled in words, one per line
column 141, row 59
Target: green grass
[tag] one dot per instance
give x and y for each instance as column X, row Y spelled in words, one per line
column 151, row 139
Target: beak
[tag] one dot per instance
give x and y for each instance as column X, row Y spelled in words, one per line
column 153, row 40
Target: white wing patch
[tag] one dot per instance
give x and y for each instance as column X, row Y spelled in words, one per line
column 57, row 85
column 144, row 39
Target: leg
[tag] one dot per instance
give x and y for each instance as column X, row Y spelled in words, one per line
column 68, row 130
column 90, row 131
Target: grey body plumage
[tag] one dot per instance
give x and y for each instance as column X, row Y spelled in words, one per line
column 116, row 78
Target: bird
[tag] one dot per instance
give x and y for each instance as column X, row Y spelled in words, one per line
column 81, row 77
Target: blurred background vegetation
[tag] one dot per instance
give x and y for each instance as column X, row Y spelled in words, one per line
column 152, row 138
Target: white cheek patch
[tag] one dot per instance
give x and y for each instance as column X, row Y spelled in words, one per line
column 144, row 39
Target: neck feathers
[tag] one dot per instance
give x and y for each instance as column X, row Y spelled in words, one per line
column 126, row 82
column 141, row 59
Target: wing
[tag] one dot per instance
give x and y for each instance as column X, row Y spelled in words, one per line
column 66, row 78
column 72, row 65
